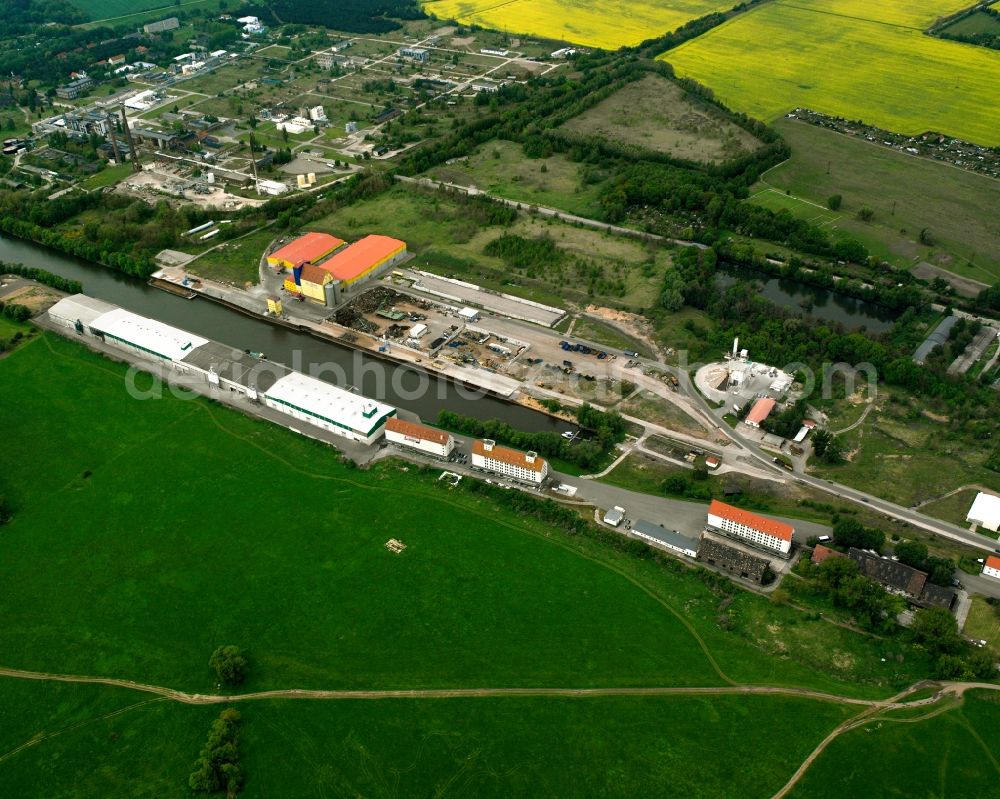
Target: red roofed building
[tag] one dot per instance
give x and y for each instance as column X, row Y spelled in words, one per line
column 526, row 467
column 760, row 531
column 309, row 248
column 992, row 567
column 821, row 553
column 419, row 437
column 759, row 412
column 362, row 258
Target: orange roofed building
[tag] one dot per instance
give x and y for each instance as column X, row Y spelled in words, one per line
column 419, row 437
column 759, row 412
column 309, row 248
column 759, row 531
column 362, row 258
column 525, row 467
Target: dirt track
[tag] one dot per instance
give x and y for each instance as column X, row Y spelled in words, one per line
column 871, row 708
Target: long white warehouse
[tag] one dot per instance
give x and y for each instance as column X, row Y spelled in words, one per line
column 328, row 407
column 419, row 437
column 147, row 336
column 224, row 368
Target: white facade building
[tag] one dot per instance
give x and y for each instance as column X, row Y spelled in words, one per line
column 985, row 511
column 525, row 467
column 419, row 437
column 760, row 531
column 329, row 408
column 992, row 567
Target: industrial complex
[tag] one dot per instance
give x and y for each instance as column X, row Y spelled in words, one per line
column 296, row 395
column 323, row 268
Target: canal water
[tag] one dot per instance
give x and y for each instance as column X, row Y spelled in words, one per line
column 398, row 385
column 817, row 302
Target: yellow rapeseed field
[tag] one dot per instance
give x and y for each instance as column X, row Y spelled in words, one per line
column 609, row 23
column 810, row 54
column 918, row 14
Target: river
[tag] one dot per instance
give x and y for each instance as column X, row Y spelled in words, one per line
column 816, row 302
column 398, row 385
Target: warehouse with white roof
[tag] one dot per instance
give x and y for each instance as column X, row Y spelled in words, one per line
column 316, row 402
column 78, row 311
column 985, row 511
column 328, row 407
column 145, row 336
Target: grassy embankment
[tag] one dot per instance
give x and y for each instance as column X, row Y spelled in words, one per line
column 907, row 194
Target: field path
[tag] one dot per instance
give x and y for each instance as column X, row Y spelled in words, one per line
column 871, row 705
column 947, row 690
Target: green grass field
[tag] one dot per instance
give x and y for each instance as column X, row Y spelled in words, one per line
column 604, row 746
column 951, row 754
column 952, row 509
column 983, row 622
column 108, row 176
column 236, row 261
column 913, row 460
column 656, row 114
column 137, row 11
column 907, row 194
column 501, row 168
column 145, row 533
column 447, row 241
column 977, row 22
column 852, row 59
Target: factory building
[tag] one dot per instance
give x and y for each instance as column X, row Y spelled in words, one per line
column 309, row 248
column 363, row 258
column 419, row 437
column 525, row 467
column 759, row 531
column 329, row 408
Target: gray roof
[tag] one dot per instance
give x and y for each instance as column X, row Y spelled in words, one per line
column 80, row 308
column 661, row 533
column 937, row 596
column 236, row 366
column 732, row 559
column 889, row 572
column 938, row 336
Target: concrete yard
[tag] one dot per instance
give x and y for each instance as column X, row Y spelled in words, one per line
column 468, row 294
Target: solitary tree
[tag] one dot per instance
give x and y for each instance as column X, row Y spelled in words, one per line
column 229, row 664
column 866, row 213
column 834, row 202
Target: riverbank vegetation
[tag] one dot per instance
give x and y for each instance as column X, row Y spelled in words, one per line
column 588, row 454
